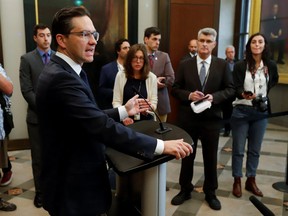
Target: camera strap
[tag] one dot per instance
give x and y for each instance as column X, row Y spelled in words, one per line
column 266, row 79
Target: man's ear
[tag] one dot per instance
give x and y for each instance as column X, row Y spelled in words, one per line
column 61, row 40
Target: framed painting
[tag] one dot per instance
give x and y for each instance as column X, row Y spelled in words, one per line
column 271, row 19
column 110, row 18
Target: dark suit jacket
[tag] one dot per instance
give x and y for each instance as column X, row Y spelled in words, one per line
column 162, row 67
column 106, row 84
column 219, row 84
column 31, row 66
column 187, row 56
column 74, row 132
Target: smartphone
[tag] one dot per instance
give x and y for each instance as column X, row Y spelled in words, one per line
column 202, row 99
column 249, row 93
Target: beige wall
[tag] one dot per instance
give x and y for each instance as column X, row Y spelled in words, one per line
column 13, row 41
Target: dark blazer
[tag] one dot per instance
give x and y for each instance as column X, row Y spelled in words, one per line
column 219, row 84
column 31, row 66
column 74, row 132
column 106, row 84
column 162, row 67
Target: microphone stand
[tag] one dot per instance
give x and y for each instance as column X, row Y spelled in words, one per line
column 162, row 128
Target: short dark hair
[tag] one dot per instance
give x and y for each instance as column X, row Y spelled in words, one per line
column 39, row 26
column 118, row 44
column 61, row 23
column 151, row 30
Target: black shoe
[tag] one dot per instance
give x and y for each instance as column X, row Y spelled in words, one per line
column 181, row 197
column 7, row 206
column 213, row 202
column 38, row 200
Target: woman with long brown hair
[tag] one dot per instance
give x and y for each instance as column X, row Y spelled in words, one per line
column 136, row 75
column 253, row 79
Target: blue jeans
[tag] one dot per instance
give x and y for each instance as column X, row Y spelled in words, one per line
column 247, row 123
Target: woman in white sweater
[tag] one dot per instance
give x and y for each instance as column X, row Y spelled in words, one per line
column 136, row 75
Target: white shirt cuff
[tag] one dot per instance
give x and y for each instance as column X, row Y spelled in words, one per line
column 159, row 147
column 122, row 113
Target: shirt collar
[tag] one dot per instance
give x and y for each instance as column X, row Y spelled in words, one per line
column 41, row 52
column 207, row 60
column 75, row 66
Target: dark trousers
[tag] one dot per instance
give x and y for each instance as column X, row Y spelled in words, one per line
column 209, row 139
column 278, row 45
column 227, row 112
column 7, row 169
column 36, row 151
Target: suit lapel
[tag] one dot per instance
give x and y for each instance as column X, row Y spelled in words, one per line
column 195, row 76
column 68, row 68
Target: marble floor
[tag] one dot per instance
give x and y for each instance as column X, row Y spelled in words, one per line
column 272, row 169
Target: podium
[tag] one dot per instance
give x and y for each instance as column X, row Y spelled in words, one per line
column 153, row 191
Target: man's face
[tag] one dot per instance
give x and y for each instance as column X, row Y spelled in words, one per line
column 124, row 48
column 43, row 39
column 206, row 43
column 152, row 42
column 79, row 47
column 230, row 54
column 193, row 47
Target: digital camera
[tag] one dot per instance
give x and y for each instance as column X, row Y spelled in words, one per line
column 260, row 103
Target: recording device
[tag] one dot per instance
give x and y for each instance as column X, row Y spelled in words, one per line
column 261, row 207
column 162, row 129
column 260, row 103
column 249, row 93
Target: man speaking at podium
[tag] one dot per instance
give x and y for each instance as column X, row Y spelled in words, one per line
column 75, row 131
column 205, row 76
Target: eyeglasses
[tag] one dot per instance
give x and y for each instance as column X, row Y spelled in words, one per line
column 136, row 58
column 207, row 41
column 87, row 34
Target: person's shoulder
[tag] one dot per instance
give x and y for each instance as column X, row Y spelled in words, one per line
column 110, row 64
column 160, row 53
column 217, row 59
column 29, row 54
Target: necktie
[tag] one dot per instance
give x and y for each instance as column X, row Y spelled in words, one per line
column 46, row 58
column 84, row 77
column 202, row 73
column 151, row 61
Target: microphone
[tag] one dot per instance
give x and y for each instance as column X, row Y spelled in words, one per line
column 261, row 207
column 162, row 129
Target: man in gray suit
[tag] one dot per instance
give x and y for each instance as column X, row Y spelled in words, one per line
column 161, row 66
column 31, row 66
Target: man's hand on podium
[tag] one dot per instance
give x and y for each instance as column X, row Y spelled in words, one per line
column 178, row 148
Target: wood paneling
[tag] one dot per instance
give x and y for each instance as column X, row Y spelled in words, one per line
column 18, row 144
column 185, row 20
